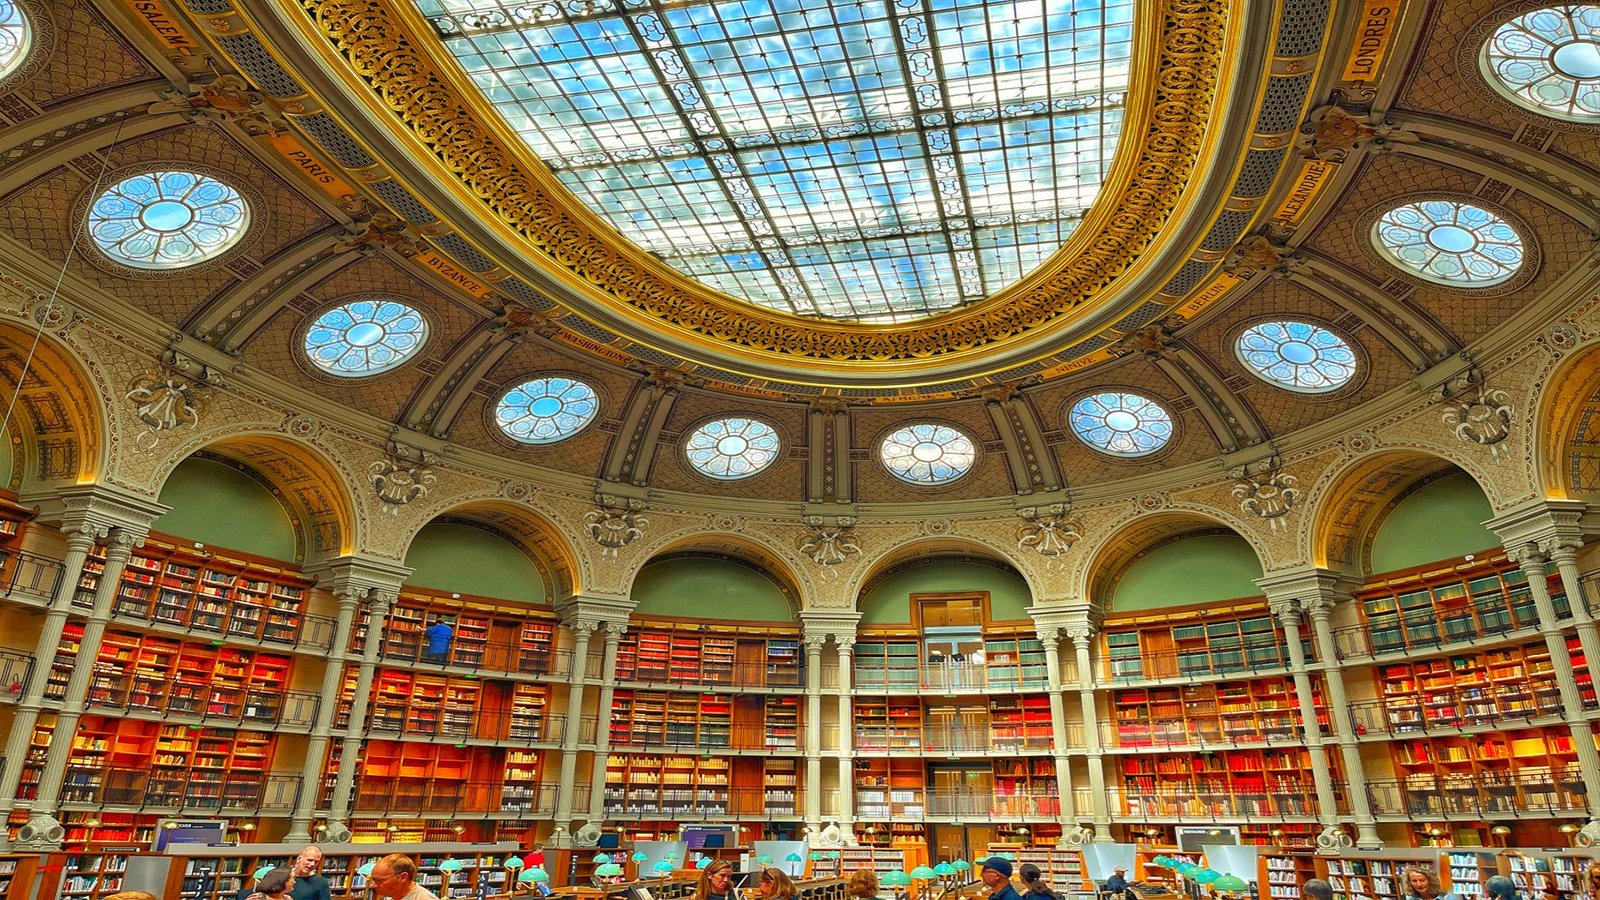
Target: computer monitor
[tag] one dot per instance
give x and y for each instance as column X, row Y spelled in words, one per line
column 715, row 840
column 609, row 840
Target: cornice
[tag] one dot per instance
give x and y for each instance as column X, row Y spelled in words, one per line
column 98, row 507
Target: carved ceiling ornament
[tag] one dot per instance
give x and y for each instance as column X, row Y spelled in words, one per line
column 227, row 98
column 165, row 402
column 400, row 482
column 1259, row 253
column 615, row 522
column 1269, row 495
column 1484, row 419
column 1168, row 148
column 1048, row 530
column 832, row 540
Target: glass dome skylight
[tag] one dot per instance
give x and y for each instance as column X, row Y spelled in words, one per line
column 1121, row 424
column 730, row 449
column 167, row 219
column 545, row 410
column 855, row 159
column 1298, row 356
column 1449, row 242
column 16, row 36
column 365, row 336
column 928, row 453
column 1548, row 60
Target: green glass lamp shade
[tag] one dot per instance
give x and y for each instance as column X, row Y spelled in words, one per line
column 609, row 870
column 833, row 854
column 526, row 877
column 1188, row 869
column 600, row 859
column 793, row 857
column 663, row 865
column 535, row 874
column 450, row 865
column 1164, row 862
column 961, row 865
column 923, row 873
column 944, row 870
column 513, row 862
column 1231, row 883
column 262, row 872
column 1206, row 876
column 366, row 868
column 639, row 856
column 702, row 862
column 896, row 878
column 816, row 856
column 764, row 860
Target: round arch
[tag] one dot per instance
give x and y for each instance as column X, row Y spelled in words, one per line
column 552, row 555
column 1566, row 424
column 305, row 480
column 1134, row 540
column 923, row 547
column 57, row 431
column 1353, row 499
column 743, row 548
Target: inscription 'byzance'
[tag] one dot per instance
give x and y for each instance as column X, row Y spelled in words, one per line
column 1185, row 75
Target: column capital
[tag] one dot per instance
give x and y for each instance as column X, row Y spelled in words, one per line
column 1309, row 586
column 596, row 613
column 97, row 508
column 836, row 625
column 1530, row 556
column 1547, row 523
column 359, row 575
column 1286, row 610
column 1063, row 618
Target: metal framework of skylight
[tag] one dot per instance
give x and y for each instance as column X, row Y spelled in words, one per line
column 875, row 161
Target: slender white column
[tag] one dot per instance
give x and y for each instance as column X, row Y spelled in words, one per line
column 569, row 745
column 344, row 779
column 602, row 734
column 80, row 541
column 322, row 728
column 1564, row 553
column 1288, row 614
column 813, row 786
column 847, row 759
column 1343, row 728
column 1100, row 811
column 1051, row 638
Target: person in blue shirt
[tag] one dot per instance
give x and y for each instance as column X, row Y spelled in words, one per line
column 1118, row 882
column 996, row 877
column 439, row 635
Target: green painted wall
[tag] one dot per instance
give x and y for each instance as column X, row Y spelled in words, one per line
column 1200, row 569
column 703, row 588
column 5, row 459
column 223, row 507
column 467, row 560
column 1440, row 520
column 889, row 603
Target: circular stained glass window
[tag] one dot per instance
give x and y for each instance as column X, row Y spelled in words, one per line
column 729, row 449
column 1121, row 424
column 928, row 453
column 365, row 337
column 167, row 220
column 1548, row 61
column 1449, row 242
column 546, row 410
column 1299, row 356
column 16, row 36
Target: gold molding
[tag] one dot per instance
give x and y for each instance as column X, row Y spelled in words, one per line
column 1179, row 77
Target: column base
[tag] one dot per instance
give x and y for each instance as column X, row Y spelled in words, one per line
column 1588, row 835
column 1101, row 833
column 1333, row 840
column 42, row 832
column 1367, row 836
column 560, row 839
column 299, row 833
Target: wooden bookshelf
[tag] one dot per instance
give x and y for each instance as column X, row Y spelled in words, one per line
column 1549, row 875
column 227, row 594
column 92, row 875
column 221, row 877
column 1509, row 767
column 1025, row 788
column 423, row 777
column 669, row 787
column 1064, row 869
column 1376, row 877
column 86, row 830
column 1015, row 663
column 699, row 653
column 887, row 665
column 1234, row 638
column 1281, row 874
column 1232, row 783
column 486, row 635
column 881, row 860
column 185, row 678
column 1468, row 869
column 1258, row 710
column 185, row 765
column 1020, row 723
column 454, row 707
column 890, row 788
column 1479, row 688
column 887, row 723
column 1426, row 607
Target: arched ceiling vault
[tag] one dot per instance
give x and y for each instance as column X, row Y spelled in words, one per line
column 1267, row 203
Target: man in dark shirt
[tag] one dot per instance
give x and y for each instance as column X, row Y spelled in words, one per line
column 996, row 876
column 1118, row 882
column 309, row 883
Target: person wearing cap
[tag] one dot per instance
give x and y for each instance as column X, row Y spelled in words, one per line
column 1118, row 882
column 996, row 876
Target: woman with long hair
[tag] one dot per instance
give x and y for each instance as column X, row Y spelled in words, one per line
column 716, row 881
column 1034, row 885
column 775, row 884
column 1423, row 884
column 863, row 885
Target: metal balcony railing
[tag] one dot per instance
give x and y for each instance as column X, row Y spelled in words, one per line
column 205, row 703
column 946, row 678
column 674, row 802
column 15, row 672
column 953, row 739
column 1243, row 657
column 29, row 575
column 1423, row 629
column 1283, row 801
column 1484, row 795
column 415, row 796
column 307, row 631
column 787, row 675
column 496, row 725
column 211, row 791
column 489, row 658
column 1245, row 730
column 687, row 736
column 1463, row 708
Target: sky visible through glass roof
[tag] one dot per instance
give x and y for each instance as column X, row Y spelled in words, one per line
column 874, row 160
